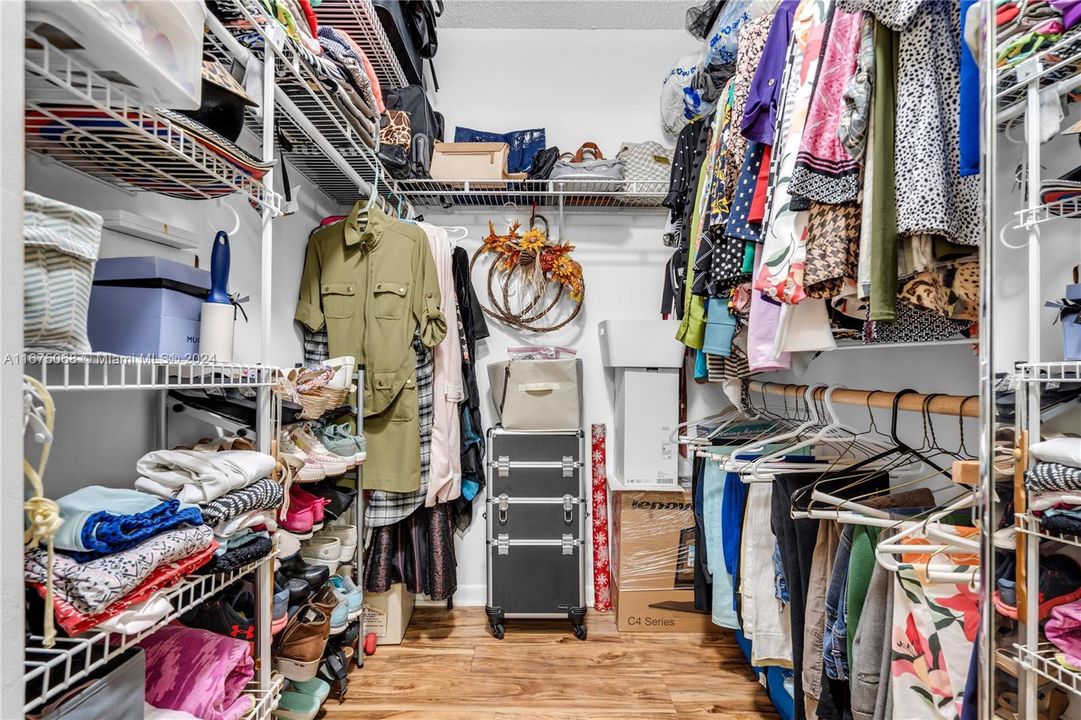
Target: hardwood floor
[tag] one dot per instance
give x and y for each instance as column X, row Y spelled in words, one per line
column 450, row 668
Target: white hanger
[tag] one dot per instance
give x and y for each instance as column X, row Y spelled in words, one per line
column 454, row 240
column 808, row 396
column 236, row 219
column 886, row 552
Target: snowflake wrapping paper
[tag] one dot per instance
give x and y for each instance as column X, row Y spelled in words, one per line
column 602, row 589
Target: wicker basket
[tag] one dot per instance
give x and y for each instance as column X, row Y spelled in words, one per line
column 61, row 245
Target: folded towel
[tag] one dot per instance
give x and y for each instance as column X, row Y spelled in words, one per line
column 93, row 586
column 99, row 521
column 199, row 477
column 198, row 672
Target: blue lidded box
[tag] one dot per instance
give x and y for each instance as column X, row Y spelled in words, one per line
column 147, row 306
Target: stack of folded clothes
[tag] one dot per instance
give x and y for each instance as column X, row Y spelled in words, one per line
column 206, row 509
column 1026, row 28
column 1064, row 631
column 233, row 486
column 1061, row 189
column 1054, row 484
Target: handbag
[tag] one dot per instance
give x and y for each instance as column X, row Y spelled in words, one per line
column 537, row 395
column 397, row 131
column 646, row 162
column 543, row 162
column 579, row 168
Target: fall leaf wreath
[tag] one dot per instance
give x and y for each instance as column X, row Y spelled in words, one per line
column 534, row 267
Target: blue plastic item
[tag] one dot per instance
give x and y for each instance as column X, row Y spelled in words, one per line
column 219, row 270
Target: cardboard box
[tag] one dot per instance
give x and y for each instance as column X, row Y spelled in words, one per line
column 388, row 614
column 647, row 408
column 660, row 611
column 470, row 161
column 653, row 540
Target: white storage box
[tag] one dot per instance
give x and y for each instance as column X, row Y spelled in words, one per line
column 387, row 614
column 647, row 410
column 640, row 343
column 154, row 50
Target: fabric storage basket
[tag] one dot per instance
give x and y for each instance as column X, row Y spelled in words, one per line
column 61, row 244
column 537, row 395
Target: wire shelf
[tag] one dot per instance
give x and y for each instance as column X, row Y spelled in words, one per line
column 626, row 194
column 1042, row 662
column 1030, row 525
column 266, row 699
column 1066, row 208
column 358, row 18
column 89, row 123
column 1047, row 372
column 1056, row 66
column 103, row 371
column 320, row 140
column 50, row 671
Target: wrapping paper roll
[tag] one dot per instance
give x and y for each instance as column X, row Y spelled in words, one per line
column 602, row 588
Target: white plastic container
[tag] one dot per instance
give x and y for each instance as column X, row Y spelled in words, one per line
column 154, row 50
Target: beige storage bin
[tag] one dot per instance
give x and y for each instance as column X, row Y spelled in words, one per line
column 470, row 161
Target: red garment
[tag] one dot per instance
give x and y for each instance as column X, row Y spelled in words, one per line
column 1006, row 13
column 309, row 15
column 758, row 202
column 74, row 621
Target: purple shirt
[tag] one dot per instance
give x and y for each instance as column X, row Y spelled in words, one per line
column 761, row 112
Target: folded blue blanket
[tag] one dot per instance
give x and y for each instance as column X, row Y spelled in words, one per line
column 99, row 521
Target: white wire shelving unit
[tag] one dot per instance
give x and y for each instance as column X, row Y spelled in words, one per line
column 1056, row 66
column 358, row 18
column 265, row 700
column 335, row 154
column 1059, row 209
column 1048, row 372
column 104, row 371
column 50, row 671
column 90, row 124
column 563, row 194
column 1030, row 525
column 1041, row 661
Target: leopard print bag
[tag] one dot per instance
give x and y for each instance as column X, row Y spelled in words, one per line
column 398, row 130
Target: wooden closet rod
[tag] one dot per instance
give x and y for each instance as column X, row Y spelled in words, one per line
column 963, row 405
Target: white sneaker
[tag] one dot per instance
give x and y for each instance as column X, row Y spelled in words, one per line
column 322, row 550
column 303, row 471
column 347, row 535
column 316, row 453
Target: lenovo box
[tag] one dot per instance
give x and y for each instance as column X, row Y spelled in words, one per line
column 652, row 561
column 387, row 614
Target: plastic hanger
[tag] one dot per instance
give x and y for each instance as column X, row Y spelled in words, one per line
column 236, row 218
column 456, row 229
column 362, row 216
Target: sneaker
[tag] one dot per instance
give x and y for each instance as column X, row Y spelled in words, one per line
column 339, row 444
column 322, row 551
column 349, row 595
column 279, row 605
column 299, row 518
column 362, row 447
column 347, row 534
column 293, row 456
column 319, row 689
column 297, row 706
column 233, row 616
column 301, row 646
column 302, row 501
column 315, row 452
column 335, row 605
column 1058, row 585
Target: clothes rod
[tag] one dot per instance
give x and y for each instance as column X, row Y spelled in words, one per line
column 963, row 405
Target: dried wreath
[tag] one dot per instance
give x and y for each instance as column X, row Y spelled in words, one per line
column 538, row 266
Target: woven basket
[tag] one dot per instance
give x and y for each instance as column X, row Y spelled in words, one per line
column 312, row 406
column 61, row 245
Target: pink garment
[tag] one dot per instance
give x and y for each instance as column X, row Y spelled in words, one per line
column 198, row 672
column 1064, row 631
column 377, row 91
column 445, row 481
column 761, row 330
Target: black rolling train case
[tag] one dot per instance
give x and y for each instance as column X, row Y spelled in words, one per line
column 536, row 519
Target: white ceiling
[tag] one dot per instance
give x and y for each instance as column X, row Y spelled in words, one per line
column 566, row 14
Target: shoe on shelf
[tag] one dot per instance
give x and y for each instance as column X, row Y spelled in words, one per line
column 297, row 588
column 344, row 369
column 1058, row 585
column 232, row 615
column 314, row 575
column 339, row 443
column 335, row 606
column 303, row 501
column 297, row 706
column 298, row 520
column 348, row 594
column 340, row 498
column 1051, row 703
column 316, row 453
column 294, row 457
column 325, row 551
column 347, row 535
column 319, row 689
column 301, row 645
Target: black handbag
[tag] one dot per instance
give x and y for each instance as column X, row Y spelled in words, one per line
column 543, row 162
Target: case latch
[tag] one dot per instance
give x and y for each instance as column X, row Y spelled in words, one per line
column 568, row 509
column 568, row 466
column 568, row 544
column 504, row 503
column 502, row 543
column 502, row 464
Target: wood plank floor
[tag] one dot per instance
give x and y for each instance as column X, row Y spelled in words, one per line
column 450, row 668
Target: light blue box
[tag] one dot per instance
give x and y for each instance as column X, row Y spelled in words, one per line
column 147, row 306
